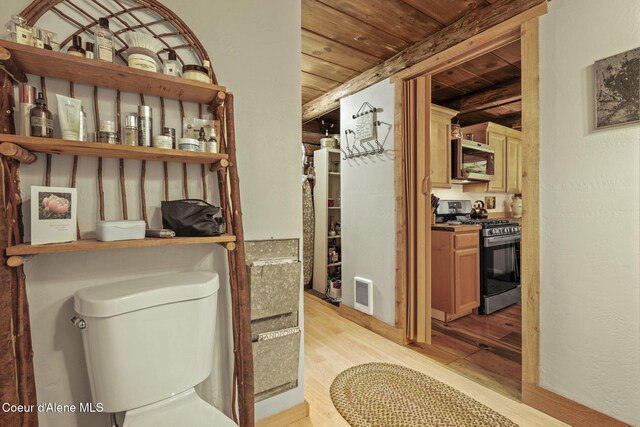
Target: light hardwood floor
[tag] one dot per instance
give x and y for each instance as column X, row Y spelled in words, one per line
column 333, row 344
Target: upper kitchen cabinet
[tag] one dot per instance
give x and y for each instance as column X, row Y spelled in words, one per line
column 507, row 143
column 441, row 146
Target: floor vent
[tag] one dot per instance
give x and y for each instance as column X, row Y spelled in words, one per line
column 363, row 295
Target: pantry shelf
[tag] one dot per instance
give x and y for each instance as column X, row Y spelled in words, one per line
column 95, row 245
column 96, row 149
column 32, row 60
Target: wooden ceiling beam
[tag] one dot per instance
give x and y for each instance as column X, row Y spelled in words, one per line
column 493, row 96
column 472, row 24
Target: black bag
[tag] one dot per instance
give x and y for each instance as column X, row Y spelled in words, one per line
column 190, row 218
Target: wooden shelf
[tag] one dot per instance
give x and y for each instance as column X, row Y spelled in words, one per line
column 97, row 149
column 335, row 264
column 95, row 245
column 334, row 173
column 106, row 74
column 334, row 207
column 334, row 237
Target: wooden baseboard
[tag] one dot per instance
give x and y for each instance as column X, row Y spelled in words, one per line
column 564, row 409
column 286, row 417
column 388, row 331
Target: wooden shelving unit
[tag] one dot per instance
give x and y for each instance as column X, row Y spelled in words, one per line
column 95, row 245
column 32, row 60
column 117, row 151
column 327, row 165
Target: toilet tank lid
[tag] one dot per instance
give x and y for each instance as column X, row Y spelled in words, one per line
column 112, row 299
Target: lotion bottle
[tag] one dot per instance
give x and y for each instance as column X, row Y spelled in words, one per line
column 104, row 41
column 27, row 102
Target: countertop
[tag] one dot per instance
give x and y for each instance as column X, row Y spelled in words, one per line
column 453, row 227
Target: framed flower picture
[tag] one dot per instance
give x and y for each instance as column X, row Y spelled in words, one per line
column 53, row 215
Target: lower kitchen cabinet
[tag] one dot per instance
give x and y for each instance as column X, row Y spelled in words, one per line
column 455, row 273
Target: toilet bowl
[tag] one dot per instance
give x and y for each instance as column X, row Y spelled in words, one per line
column 148, row 342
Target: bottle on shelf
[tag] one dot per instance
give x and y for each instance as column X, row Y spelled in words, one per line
column 206, row 64
column 76, row 48
column 103, row 41
column 202, row 140
column 41, row 119
column 88, row 51
column 172, row 66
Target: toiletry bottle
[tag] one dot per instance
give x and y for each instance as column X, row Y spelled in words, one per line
column 212, row 143
column 20, row 32
column 171, row 65
column 76, row 48
column 104, row 41
column 145, row 125
column 83, row 125
column 88, row 51
column 202, row 140
column 206, row 64
column 37, row 36
column 130, row 130
column 48, row 40
column 27, row 98
column 41, row 119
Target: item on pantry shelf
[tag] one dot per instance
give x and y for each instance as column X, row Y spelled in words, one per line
column 189, row 144
column 190, row 217
column 69, row 116
column 196, row 72
column 172, row 133
column 83, row 125
column 89, row 50
column 171, row 66
column 516, row 205
column 160, row 233
column 456, row 131
column 192, row 125
column 103, row 41
column 107, row 137
column 331, row 202
column 41, row 119
column 202, row 140
column 338, row 228
column 53, row 215
column 212, row 144
column 76, row 48
column 107, row 126
column 142, row 62
column 162, row 141
column 145, row 125
column 111, row 231
column 27, row 99
column 130, row 131
column 19, row 31
column 37, row 37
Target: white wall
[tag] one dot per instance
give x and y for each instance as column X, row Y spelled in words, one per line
column 589, row 186
column 255, row 49
column 456, row 192
column 368, row 206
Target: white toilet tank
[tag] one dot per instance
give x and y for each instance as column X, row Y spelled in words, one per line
column 148, row 339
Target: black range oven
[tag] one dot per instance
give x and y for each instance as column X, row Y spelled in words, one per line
column 499, row 266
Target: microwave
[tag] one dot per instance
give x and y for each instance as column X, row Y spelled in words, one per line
column 472, row 161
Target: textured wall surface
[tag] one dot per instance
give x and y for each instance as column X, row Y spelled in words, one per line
column 255, row 50
column 368, row 206
column 589, row 187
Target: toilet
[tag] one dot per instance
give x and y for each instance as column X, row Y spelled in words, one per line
column 148, row 342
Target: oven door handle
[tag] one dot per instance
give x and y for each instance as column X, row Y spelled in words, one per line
column 500, row 240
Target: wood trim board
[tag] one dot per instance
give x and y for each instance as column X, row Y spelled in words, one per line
column 286, row 417
column 564, row 409
column 388, row 331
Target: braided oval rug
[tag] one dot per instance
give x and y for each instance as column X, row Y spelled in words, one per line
column 387, row 395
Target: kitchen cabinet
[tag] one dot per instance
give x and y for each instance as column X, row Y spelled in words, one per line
column 455, row 272
column 507, row 144
column 440, row 143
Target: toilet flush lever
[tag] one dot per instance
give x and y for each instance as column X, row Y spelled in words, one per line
column 78, row 322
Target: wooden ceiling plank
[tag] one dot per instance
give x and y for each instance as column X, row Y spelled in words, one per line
column 510, row 53
column 462, row 79
column 318, row 82
column 331, row 51
column 311, row 64
column 448, row 11
column 491, row 97
column 472, row 24
column 391, row 16
column 491, row 67
column 322, row 19
column 309, row 93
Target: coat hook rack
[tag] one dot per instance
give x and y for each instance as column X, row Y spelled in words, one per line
column 366, row 134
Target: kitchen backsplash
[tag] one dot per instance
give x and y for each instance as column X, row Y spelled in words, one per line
column 503, row 200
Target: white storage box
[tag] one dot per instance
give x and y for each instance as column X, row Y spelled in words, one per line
column 110, row 231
